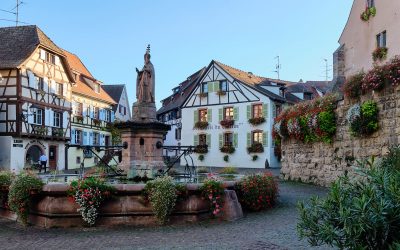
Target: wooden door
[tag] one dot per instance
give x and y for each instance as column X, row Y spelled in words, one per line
column 53, row 157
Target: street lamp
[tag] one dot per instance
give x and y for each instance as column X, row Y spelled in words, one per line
column 32, row 108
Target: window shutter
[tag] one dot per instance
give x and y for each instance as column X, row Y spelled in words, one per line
column 236, row 113
column 46, row 117
column 221, row 140
column 265, row 111
column 30, row 116
column 196, row 116
column 248, row 112
column 216, row 86
column 248, row 139
column 195, row 140
column 85, row 138
column 209, row 115
column 235, row 140
column 265, row 139
column 84, row 109
column 65, row 89
column 103, row 140
column 42, row 54
column 57, row 60
column 32, row 79
column 210, row 87
column 46, row 84
column 65, row 117
column 51, row 118
column 208, row 138
column 112, row 116
column 220, row 114
column 73, row 136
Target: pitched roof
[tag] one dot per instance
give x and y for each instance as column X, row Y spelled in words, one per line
column 18, row 43
column 176, row 100
column 323, row 86
column 114, row 91
column 84, row 80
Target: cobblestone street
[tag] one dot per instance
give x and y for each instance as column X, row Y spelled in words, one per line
column 273, row 229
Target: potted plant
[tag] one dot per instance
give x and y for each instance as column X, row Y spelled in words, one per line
column 79, row 118
column 255, row 148
column 96, row 122
column 228, row 149
column 201, row 149
column 367, row 13
column 6, row 178
column 201, row 125
column 203, row 95
column 227, row 123
column 379, row 54
column 58, row 132
column 221, row 92
column 256, row 121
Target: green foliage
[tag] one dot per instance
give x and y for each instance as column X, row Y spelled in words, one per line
column 20, row 194
column 227, row 149
column 352, row 86
column 392, row 160
column 201, row 157
column 367, row 122
column 202, row 170
column 213, row 191
column 257, row 192
column 327, row 124
column 229, row 170
column 162, row 195
column 6, row 177
column 255, row 157
column 115, row 134
column 226, row 158
column 358, row 213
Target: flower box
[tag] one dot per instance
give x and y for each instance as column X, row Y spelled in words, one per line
column 221, row 92
column 201, row 125
column 369, row 11
column 227, row 123
column 255, row 148
column 96, row 122
column 201, row 149
column 380, row 54
column 79, row 118
column 256, row 121
column 227, row 149
column 57, row 132
column 203, row 95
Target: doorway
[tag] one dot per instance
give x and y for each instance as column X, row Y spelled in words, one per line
column 32, row 155
column 53, row 157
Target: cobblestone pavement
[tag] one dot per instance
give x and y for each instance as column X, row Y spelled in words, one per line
column 273, row 229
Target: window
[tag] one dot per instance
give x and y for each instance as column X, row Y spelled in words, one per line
column 204, row 87
column 228, row 139
column 203, row 115
column 178, row 133
column 308, row 96
column 96, row 137
column 371, row 3
column 78, row 108
column 381, row 40
column 78, row 136
column 257, row 111
column 223, row 86
column 96, row 112
column 97, row 88
column 108, row 115
column 40, row 82
column 228, row 113
column 57, row 119
column 257, row 137
column 120, row 109
column 50, row 58
column 202, row 139
column 278, row 110
column 38, row 116
column 124, row 110
column 59, row 88
column 78, row 160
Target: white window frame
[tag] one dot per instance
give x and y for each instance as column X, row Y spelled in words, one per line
column 78, row 136
column 57, row 118
column 38, row 116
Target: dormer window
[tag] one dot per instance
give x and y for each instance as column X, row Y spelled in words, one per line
column 204, row 87
column 50, row 58
column 97, row 88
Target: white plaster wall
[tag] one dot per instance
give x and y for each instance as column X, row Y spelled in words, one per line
column 5, row 152
column 124, row 102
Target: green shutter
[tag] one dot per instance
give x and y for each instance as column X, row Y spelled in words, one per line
column 216, row 86
column 265, row 110
column 196, row 140
column 210, row 87
column 196, row 116
column 248, row 112
column 220, row 114
column 248, row 139
column 265, row 139
column 221, row 140
column 236, row 113
column 235, row 140
column 209, row 115
column 273, row 110
column 208, row 140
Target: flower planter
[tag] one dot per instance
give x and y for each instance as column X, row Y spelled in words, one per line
column 380, row 54
column 221, row 93
column 201, row 149
column 256, row 121
column 369, row 11
column 203, row 95
column 201, row 125
column 96, row 122
column 227, row 149
column 227, row 123
column 255, row 148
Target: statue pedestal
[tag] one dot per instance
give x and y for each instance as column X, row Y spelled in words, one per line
column 144, row 111
column 144, row 153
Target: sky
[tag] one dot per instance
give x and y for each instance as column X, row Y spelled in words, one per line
column 111, row 37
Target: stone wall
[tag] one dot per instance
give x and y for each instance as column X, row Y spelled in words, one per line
column 321, row 163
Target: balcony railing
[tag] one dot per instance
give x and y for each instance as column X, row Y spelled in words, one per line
column 46, row 131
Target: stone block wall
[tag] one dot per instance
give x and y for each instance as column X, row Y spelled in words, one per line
column 321, row 163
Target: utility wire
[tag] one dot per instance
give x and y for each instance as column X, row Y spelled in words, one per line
column 8, row 20
column 8, row 11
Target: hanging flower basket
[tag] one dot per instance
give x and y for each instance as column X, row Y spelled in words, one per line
column 380, row 54
column 227, row 123
column 201, row 149
column 201, row 125
column 227, row 149
column 256, row 121
column 255, row 148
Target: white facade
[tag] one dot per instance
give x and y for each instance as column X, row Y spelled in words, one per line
column 123, row 112
column 241, row 97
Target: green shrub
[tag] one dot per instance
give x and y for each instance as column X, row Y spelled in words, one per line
column 19, row 195
column 229, row 170
column 213, row 191
column 358, row 213
column 352, row 86
column 202, row 170
column 363, row 119
column 257, row 192
column 6, row 177
column 162, row 195
column 226, row 158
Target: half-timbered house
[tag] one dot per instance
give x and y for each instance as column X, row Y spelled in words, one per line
column 232, row 112
column 92, row 111
column 35, row 99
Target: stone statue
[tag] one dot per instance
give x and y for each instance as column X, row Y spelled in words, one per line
column 145, row 81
